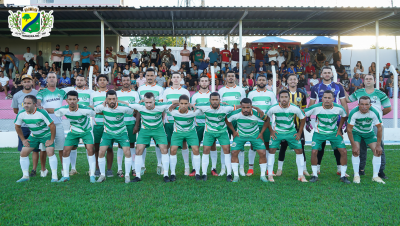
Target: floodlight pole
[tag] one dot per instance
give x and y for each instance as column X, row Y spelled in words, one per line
column 395, row 94
column 377, row 68
column 240, row 55
column 102, row 46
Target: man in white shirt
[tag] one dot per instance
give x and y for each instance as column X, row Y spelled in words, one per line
column 174, row 68
column 76, row 54
column 135, row 56
column 248, row 54
column 185, row 53
column 29, row 57
column 4, row 80
column 121, row 58
column 272, row 53
column 107, row 70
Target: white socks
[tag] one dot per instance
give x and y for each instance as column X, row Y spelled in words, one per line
column 73, row 156
column 92, row 164
column 228, row 164
column 120, row 155
column 204, row 163
column 185, row 155
column 300, row 164
column 66, row 161
column 24, row 162
column 343, row 171
column 252, row 156
column 165, row 163
column 356, row 165
column 222, row 160
column 214, row 159
column 314, row 170
column 172, row 164
column 241, row 159
column 319, row 167
column 133, row 153
column 158, row 154
column 263, row 168
column 376, row 165
column 53, row 166
column 138, row 164
column 102, row 165
column 339, row 168
column 280, row 164
column 271, row 161
column 196, row 162
column 305, row 166
column 128, row 166
column 144, row 157
column 235, row 168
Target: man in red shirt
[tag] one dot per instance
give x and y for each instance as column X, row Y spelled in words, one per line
column 118, row 82
column 235, row 55
column 226, row 55
column 259, row 52
column 310, row 68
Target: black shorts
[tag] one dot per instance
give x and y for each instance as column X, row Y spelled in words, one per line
column 85, row 66
column 66, row 66
column 58, row 64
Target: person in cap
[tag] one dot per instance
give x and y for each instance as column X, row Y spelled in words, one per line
column 386, row 71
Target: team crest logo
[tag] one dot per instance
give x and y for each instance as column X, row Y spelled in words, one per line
column 270, row 142
column 119, row 117
column 189, row 121
column 313, row 143
column 237, row 96
column 342, row 142
column 375, row 98
column 298, row 141
column 298, row 99
column 220, row 117
column 157, row 116
column 81, row 120
column 267, row 102
column 233, row 144
column 30, row 23
column 39, row 124
column 84, row 98
column 131, row 101
column 58, row 95
column 333, row 89
column 253, row 123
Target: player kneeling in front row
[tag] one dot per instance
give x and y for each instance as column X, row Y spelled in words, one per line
column 360, row 126
column 43, row 131
column 247, row 124
column 79, row 118
column 184, row 130
column 114, row 130
column 284, row 129
column 327, row 114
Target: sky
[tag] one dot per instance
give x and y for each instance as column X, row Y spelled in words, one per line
column 359, row 42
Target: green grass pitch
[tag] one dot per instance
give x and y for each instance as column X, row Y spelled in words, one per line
column 214, row 202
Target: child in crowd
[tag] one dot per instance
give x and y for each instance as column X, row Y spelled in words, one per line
column 133, row 82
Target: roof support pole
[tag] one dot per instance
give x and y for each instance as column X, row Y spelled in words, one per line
column 395, row 94
column 229, row 43
column 274, row 88
column 240, row 55
column 377, row 68
column 103, row 51
column 338, row 44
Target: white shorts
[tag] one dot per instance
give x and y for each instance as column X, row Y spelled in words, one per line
column 59, row 140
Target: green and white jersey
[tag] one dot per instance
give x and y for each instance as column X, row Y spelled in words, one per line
column 78, row 119
column 184, row 122
column 364, row 123
column 262, row 99
column 284, row 122
column 246, row 125
column 197, row 98
column 83, row 94
column 215, row 118
column 38, row 122
column 52, row 100
column 378, row 99
column 232, row 95
column 114, row 118
column 130, row 97
column 151, row 119
column 96, row 98
column 171, row 94
column 155, row 89
column 326, row 118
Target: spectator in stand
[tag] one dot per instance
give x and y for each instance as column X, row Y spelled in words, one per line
column 135, row 56
column 85, row 56
column 280, row 59
column 372, row 68
column 217, row 71
column 65, row 81
column 292, row 69
column 134, row 69
column 284, row 84
column 17, row 85
column 248, row 70
column 319, row 59
column 302, row 83
column 389, row 86
column 194, row 72
column 269, row 68
column 382, row 84
column 29, row 57
column 164, row 55
column 340, row 70
column 213, row 55
column 171, row 58
column 95, row 67
column 219, row 57
column 77, row 68
column 118, row 81
column 247, row 55
column 272, row 54
column 56, row 55
column 76, row 54
column 153, row 66
column 261, row 69
column 235, row 55
column 314, row 81
column 145, row 58
column 356, row 82
column 278, row 84
column 337, row 56
column 174, row 68
column 73, row 78
column 39, row 59
column 270, row 85
column 43, row 81
column 46, row 68
column 183, row 72
column 97, row 56
column 250, row 81
column 198, row 56
column 326, row 64
column 204, row 65
column 304, row 53
column 290, row 56
column 236, row 71
column 386, row 73
column 185, row 53
column 191, row 56
column 126, row 70
column 283, row 70
column 26, row 68
column 56, row 70
column 121, row 58
column 160, row 80
column 143, row 67
column 225, row 69
column 107, row 71
column 141, row 80
column 191, row 83
column 299, row 69
column 310, row 68
column 347, row 84
column 246, row 87
column 359, row 69
column 226, row 55
column 133, row 82
column 154, row 55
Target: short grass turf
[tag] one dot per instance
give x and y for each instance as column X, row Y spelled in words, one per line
column 214, row 202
